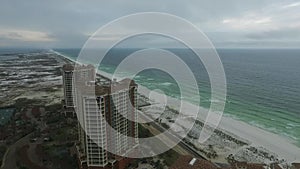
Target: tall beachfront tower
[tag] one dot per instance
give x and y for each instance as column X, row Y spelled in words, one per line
column 107, row 114
column 86, row 73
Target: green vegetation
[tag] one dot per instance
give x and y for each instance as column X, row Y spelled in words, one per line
column 164, row 125
column 59, row 154
column 24, row 102
column 50, row 89
column 158, row 165
column 143, row 132
column 53, row 119
column 169, row 157
column 54, row 107
column 2, row 152
column 54, row 115
column 63, row 134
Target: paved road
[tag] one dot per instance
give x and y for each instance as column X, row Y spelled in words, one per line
column 171, row 137
column 9, row 160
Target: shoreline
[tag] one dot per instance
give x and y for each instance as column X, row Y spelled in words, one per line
column 257, row 137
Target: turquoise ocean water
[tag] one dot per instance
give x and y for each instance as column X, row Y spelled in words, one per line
column 263, row 85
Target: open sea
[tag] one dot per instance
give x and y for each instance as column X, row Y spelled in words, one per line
column 263, row 85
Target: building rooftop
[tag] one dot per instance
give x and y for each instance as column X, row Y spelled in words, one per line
column 68, row 67
column 296, row 165
column 188, row 162
column 121, row 85
column 275, row 166
column 99, row 90
column 71, row 67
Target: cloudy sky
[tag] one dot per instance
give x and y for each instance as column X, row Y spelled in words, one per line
column 228, row 23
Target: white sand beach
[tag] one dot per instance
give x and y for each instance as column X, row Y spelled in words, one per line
column 257, row 137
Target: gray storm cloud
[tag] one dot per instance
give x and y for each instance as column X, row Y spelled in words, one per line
column 231, row 23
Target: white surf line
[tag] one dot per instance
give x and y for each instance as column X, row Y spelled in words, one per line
column 257, row 136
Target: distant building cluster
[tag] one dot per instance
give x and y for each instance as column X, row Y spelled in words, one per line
column 106, row 112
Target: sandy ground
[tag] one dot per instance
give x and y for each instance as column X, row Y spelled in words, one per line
column 256, row 137
column 34, row 76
